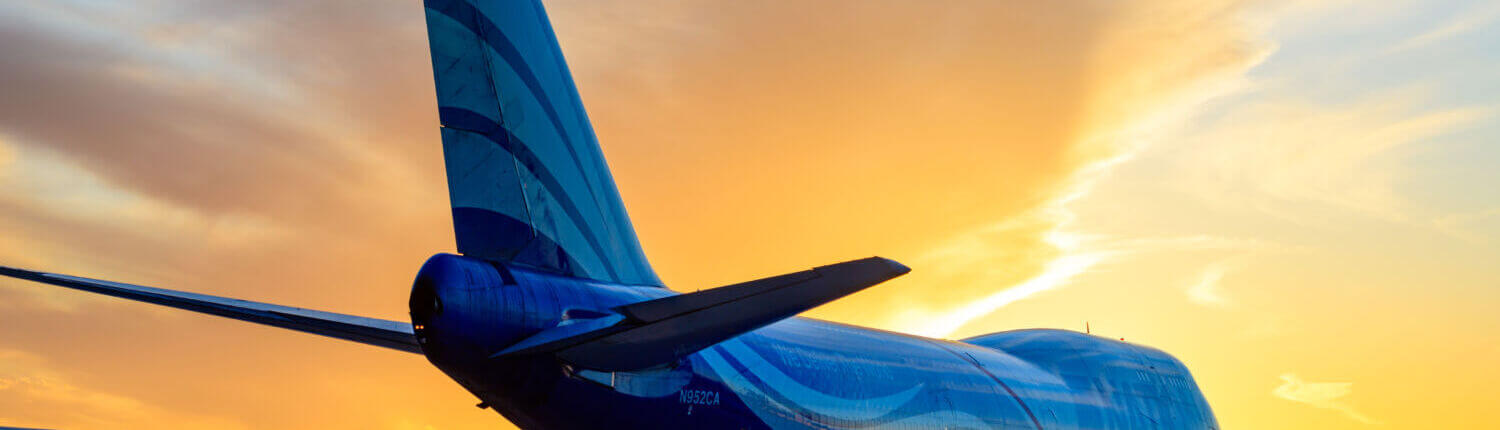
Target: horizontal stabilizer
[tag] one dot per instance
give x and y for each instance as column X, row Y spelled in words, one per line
column 660, row 331
column 371, row 331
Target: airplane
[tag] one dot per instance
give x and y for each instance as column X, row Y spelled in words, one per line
column 551, row 315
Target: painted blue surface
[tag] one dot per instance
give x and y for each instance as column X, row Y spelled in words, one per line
column 547, row 244
column 549, row 249
column 526, row 177
column 797, row 373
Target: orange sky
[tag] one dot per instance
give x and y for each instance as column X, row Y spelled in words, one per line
column 1288, row 195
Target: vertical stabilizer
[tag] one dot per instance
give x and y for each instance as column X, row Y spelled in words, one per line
column 526, row 178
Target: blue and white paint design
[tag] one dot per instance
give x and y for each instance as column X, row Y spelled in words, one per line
column 526, row 177
column 797, row 373
column 552, row 268
column 543, row 231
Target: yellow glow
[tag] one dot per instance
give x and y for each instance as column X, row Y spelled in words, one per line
column 1219, row 179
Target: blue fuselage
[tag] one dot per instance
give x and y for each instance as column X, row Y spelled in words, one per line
column 798, row 373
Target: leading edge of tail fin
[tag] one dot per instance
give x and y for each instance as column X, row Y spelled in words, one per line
column 526, row 177
column 657, row 332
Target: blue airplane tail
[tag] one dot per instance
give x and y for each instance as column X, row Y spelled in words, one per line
column 526, row 178
column 530, row 190
column 543, row 321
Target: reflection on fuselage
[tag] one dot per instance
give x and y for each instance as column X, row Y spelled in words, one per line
column 798, row 373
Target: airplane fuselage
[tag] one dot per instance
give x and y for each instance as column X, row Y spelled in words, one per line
column 554, row 317
column 797, row 373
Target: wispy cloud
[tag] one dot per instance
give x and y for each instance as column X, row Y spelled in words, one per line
column 973, row 261
column 115, row 91
column 1206, row 290
column 1326, row 395
column 1463, row 225
column 1278, row 157
column 51, row 184
column 54, row 400
column 7, row 154
column 1465, row 21
column 1058, row 272
column 1147, row 79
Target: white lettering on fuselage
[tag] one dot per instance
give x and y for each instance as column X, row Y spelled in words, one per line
column 698, row 397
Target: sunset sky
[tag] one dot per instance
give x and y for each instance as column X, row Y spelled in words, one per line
column 1298, row 199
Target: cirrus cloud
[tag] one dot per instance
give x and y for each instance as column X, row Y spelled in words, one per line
column 1326, row 395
